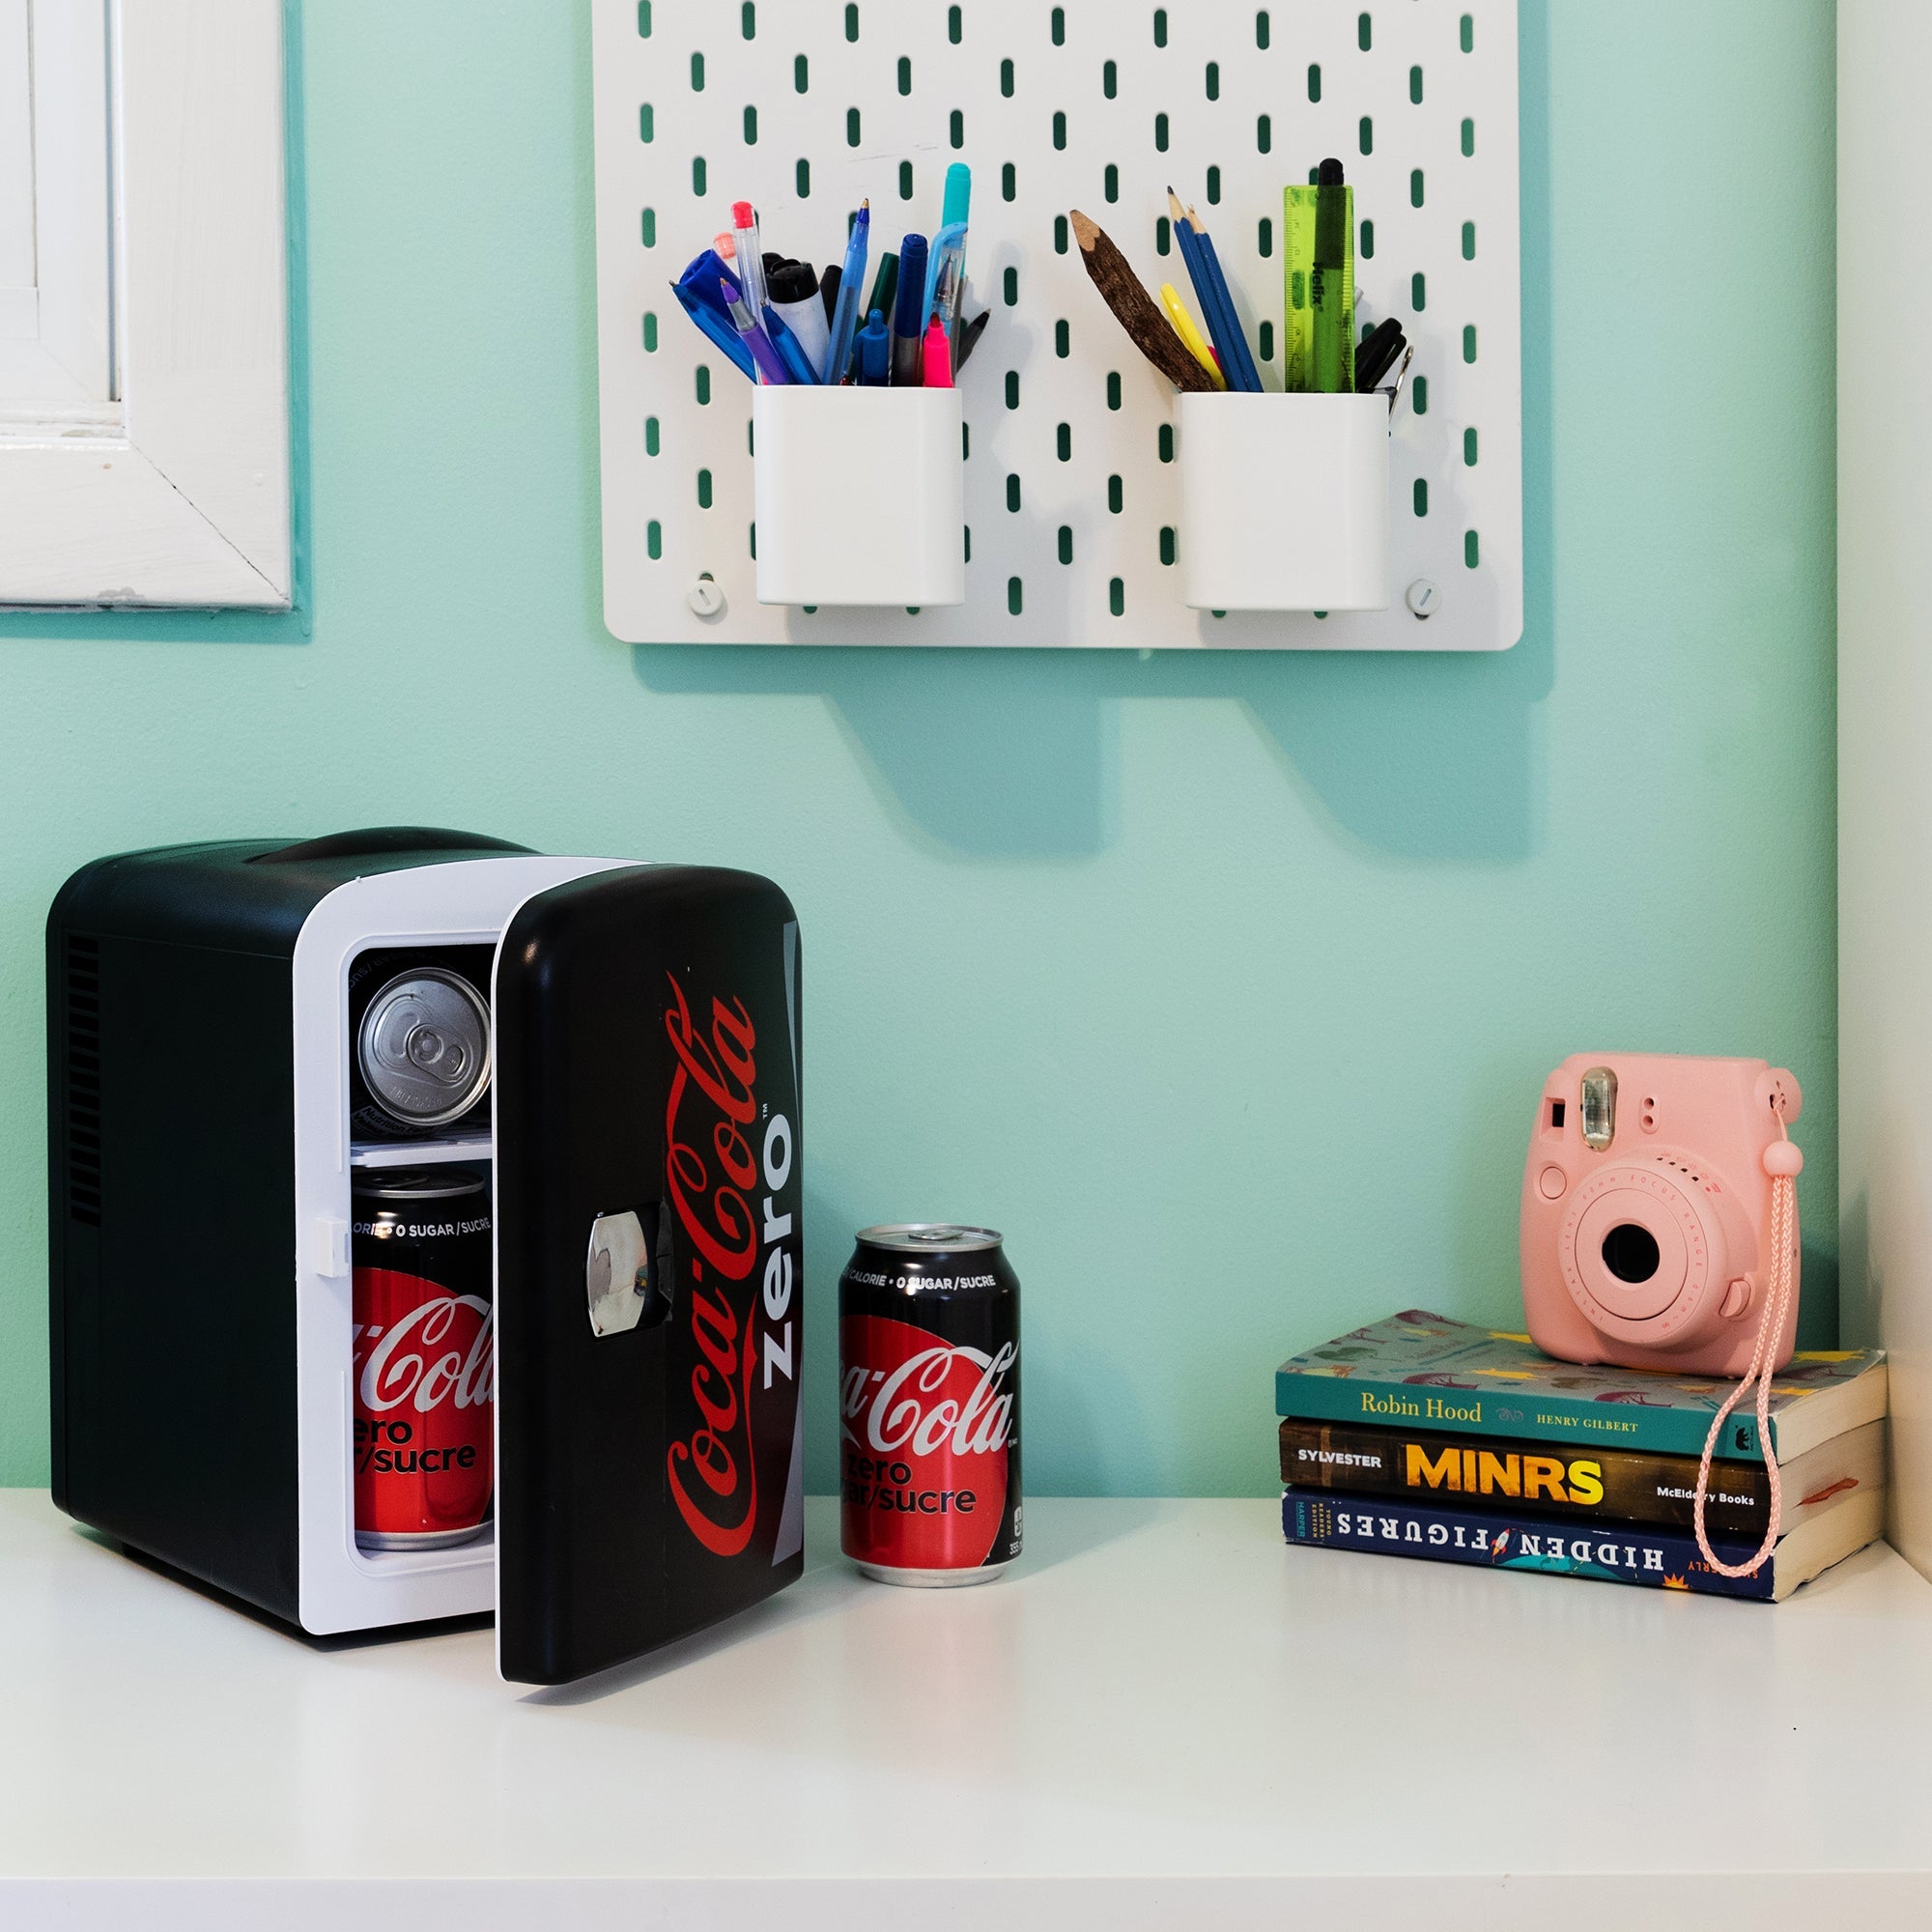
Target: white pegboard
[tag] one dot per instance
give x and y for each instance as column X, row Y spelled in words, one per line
column 1096, row 105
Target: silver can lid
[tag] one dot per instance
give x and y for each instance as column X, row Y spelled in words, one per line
column 424, row 1046
column 913, row 1238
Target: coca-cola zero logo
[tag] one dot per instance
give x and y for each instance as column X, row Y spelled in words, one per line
column 433, row 1352
column 707, row 1189
column 909, row 1408
column 927, row 1448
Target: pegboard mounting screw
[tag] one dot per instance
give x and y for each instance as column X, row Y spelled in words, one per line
column 1422, row 598
column 705, row 598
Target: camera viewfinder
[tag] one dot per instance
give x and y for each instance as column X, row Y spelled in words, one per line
column 1599, row 1101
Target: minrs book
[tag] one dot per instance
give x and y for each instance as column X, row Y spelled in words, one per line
column 1426, row 1372
column 1574, row 1479
column 1606, row 1553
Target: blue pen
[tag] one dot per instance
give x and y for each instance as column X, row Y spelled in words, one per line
column 851, row 281
column 697, row 292
column 721, row 332
column 875, row 352
column 954, row 212
column 791, row 350
column 909, row 316
column 946, row 269
column 771, row 366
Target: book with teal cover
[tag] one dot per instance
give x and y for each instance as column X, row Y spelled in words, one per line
column 1433, row 1373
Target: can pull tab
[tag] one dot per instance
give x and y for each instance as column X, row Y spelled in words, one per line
column 618, row 1274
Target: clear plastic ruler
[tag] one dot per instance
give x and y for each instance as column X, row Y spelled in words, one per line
column 803, row 106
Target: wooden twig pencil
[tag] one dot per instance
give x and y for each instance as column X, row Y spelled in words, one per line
column 1134, row 308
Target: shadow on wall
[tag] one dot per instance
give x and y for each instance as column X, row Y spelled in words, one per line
column 1009, row 753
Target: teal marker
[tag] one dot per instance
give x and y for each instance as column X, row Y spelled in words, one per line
column 946, row 271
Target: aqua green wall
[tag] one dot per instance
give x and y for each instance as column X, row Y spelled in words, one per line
column 1222, row 984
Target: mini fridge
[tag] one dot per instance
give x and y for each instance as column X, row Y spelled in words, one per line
column 641, row 1134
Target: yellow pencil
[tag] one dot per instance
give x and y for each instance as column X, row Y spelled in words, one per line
column 1184, row 327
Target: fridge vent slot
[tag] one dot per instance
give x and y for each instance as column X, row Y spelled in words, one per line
column 83, row 1080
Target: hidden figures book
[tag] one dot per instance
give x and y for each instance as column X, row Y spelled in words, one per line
column 1608, row 1552
column 1426, row 1372
column 1576, row 1479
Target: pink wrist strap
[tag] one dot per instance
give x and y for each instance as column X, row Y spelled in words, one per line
column 1782, row 1162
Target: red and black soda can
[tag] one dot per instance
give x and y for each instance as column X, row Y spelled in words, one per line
column 929, row 1405
column 425, row 1361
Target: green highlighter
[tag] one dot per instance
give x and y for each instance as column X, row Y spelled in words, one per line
column 1319, row 230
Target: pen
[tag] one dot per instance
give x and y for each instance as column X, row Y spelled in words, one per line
column 718, row 330
column 946, row 278
column 886, row 286
column 852, row 278
column 697, row 292
column 791, row 350
column 828, row 291
column 721, row 332
column 908, row 318
column 770, row 367
column 751, row 261
column 875, row 352
column 938, row 355
column 1185, row 328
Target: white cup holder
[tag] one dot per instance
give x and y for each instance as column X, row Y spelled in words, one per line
column 1284, row 501
column 861, row 496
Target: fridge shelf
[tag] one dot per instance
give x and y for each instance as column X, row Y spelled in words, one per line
column 419, row 1154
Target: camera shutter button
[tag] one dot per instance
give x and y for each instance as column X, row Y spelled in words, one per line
column 1551, row 1182
column 1737, row 1299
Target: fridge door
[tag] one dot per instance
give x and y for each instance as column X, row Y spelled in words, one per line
column 648, row 1136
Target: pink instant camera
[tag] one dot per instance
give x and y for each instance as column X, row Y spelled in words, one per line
column 1647, row 1211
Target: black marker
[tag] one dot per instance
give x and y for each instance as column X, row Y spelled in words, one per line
column 970, row 335
column 1377, row 349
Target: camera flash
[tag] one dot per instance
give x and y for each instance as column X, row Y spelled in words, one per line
column 1599, row 1115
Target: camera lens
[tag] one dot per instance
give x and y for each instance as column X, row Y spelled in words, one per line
column 1631, row 1252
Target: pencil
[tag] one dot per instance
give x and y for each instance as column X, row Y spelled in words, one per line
column 1133, row 307
column 1185, row 326
column 1203, row 289
column 1241, row 371
column 1217, row 308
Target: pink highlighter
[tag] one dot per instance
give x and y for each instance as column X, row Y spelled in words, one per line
column 938, row 357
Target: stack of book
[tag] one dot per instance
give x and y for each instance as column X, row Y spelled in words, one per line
column 1422, row 1436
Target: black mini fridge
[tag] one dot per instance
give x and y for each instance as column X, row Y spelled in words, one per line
column 211, row 1019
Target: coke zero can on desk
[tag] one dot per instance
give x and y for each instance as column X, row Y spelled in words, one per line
column 929, row 1405
column 425, row 1365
